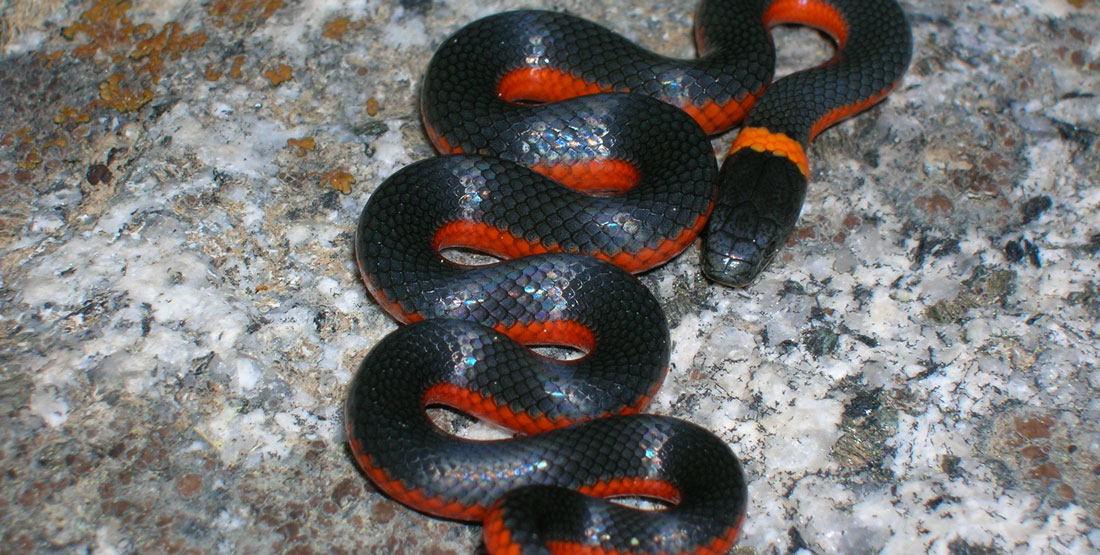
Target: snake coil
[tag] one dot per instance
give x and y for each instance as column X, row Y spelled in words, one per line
column 524, row 102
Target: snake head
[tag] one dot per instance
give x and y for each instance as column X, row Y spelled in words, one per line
column 760, row 195
column 732, row 260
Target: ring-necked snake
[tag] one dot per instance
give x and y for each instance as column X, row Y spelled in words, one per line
column 541, row 90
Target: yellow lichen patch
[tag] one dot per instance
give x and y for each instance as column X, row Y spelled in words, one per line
column 336, row 28
column 240, row 11
column 133, row 56
column 136, row 57
column 110, row 32
column 106, row 25
column 51, row 57
column 235, row 70
column 60, row 142
column 339, row 179
column 123, row 99
column 220, row 10
column 68, row 113
column 304, row 145
column 31, row 160
column 169, row 43
column 23, row 131
column 279, row 75
column 22, row 134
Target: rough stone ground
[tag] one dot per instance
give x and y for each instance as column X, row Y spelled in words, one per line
column 180, row 312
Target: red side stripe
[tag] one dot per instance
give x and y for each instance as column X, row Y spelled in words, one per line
column 413, row 497
column 814, row 13
column 553, row 85
column 502, row 243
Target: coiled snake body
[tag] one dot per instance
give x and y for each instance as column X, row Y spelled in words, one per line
column 524, row 102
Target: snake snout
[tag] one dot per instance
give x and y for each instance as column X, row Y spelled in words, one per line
column 730, row 262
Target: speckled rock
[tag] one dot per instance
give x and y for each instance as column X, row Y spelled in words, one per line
column 180, row 311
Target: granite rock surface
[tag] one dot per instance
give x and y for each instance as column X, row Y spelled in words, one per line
column 180, row 311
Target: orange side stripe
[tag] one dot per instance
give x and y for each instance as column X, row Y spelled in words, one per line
column 814, row 13
column 595, row 177
column 498, row 537
column 641, row 487
column 843, row 112
column 390, row 306
column 487, row 239
column 412, row 497
column 544, row 84
column 559, row 332
column 716, row 117
column 442, row 145
column 498, row 540
column 502, row 243
column 553, row 85
column 487, row 408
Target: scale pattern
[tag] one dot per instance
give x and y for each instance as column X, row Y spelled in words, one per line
column 522, row 101
column 761, row 192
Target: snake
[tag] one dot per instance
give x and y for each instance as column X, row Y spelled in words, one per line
column 574, row 159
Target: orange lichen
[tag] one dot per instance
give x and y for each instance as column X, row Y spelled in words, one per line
column 68, row 113
column 240, row 11
column 51, row 57
column 123, row 99
column 219, row 10
column 339, row 179
column 279, row 74
column 169, row 43
column 134, row 56
column 373, row 106
column 235, row 69
column 106, row 26
column 304, row 145
column 31, row 160
column 336, row 28
column 22, row 134
column 110, row 32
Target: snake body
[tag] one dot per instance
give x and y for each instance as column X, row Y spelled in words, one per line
column 524, row 102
